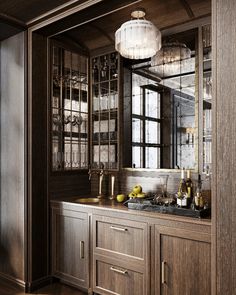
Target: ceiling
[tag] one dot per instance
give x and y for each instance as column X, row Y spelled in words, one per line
column 100, row 33
column 26, row 10
column 16, row 15
column 164, row 14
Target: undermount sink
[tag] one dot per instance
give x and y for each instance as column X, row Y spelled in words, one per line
column 87, row 200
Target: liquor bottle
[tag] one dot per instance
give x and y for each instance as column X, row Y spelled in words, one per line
column 182, row 191
column 198, row 194
column 189, row 185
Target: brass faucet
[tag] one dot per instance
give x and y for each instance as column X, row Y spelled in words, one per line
column 101, row 175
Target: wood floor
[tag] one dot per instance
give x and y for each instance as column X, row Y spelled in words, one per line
column 54, row 289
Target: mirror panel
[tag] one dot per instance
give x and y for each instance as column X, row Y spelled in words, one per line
column 163, row 110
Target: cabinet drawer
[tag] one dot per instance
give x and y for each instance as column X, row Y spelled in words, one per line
column 113, row 279
column 121, row 236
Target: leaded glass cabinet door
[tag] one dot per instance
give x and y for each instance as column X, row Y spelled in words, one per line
column 105, row 111
column 69, row 110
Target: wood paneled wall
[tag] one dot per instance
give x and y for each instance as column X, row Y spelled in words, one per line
column 67, row 185
column 12, row 159
column 37, row 161
column 224, row 148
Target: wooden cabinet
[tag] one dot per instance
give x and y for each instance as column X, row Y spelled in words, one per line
column 70, row 247
column 131, row 254
column 121, row 251
column 182, row 262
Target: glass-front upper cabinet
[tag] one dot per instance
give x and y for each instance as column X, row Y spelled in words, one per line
column 105, row 111
column 69, row 110
column 206, row 85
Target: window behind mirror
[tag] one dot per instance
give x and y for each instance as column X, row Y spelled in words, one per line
column 163, row 101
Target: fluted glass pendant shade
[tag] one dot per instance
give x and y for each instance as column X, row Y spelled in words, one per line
column 137, row 38
column 170, row 53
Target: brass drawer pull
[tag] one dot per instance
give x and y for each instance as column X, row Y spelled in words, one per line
column 81, row 249
column 163, row 280
column 123, row 272
column 118, row 228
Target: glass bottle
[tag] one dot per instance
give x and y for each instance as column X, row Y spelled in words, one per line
column 189, row 185
column 198, row 198
column 182, row 195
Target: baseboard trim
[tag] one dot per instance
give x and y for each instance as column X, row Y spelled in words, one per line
column 37, row 284
column 13, row 282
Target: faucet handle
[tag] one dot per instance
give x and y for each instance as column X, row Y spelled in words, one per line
column 112, row 196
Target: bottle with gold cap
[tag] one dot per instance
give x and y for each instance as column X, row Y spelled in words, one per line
column 182, row 194
column 189, row 186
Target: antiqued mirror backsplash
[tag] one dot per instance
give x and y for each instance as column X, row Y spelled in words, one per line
column 161, row 107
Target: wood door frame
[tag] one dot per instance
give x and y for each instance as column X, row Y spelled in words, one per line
column 31, row 30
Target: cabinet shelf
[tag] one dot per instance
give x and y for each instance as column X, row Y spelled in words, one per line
column 105, row 108
column 104, row 81
column 105, row 142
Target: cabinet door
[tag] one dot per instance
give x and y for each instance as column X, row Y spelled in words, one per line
column 70, row 249
column 183, row 263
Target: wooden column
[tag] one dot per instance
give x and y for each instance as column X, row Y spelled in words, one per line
column 224, row 148
column 12, row 148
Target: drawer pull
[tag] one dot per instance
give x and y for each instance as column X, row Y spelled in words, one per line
column 81, row 249
column 123, row 272
column 118, row 228
column 163, row 279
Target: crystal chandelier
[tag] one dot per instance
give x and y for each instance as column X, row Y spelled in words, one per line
column 137, row 38
column 170, row 53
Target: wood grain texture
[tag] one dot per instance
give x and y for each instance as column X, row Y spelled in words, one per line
column 112, row 209
column 12, row 196
column 70, row 247
column 187, row 239
column 37, row 161
column 214, row 150
column 110, row 281
column 25, row 10
column 120, row 245
column 224, row 140
column 187, row 264
column 122, row 237
column 163, row 14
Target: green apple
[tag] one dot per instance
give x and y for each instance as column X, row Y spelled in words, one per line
column 120, row 198
column 132, row 195
column 141, row 195
column 137, row 189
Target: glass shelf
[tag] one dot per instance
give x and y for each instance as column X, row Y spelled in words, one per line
column 69, row 110
column 105, row 111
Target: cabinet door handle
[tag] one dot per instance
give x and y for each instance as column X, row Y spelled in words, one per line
column 118, row 228
column 163, row 279
column 81, row 249
column 123, row 272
